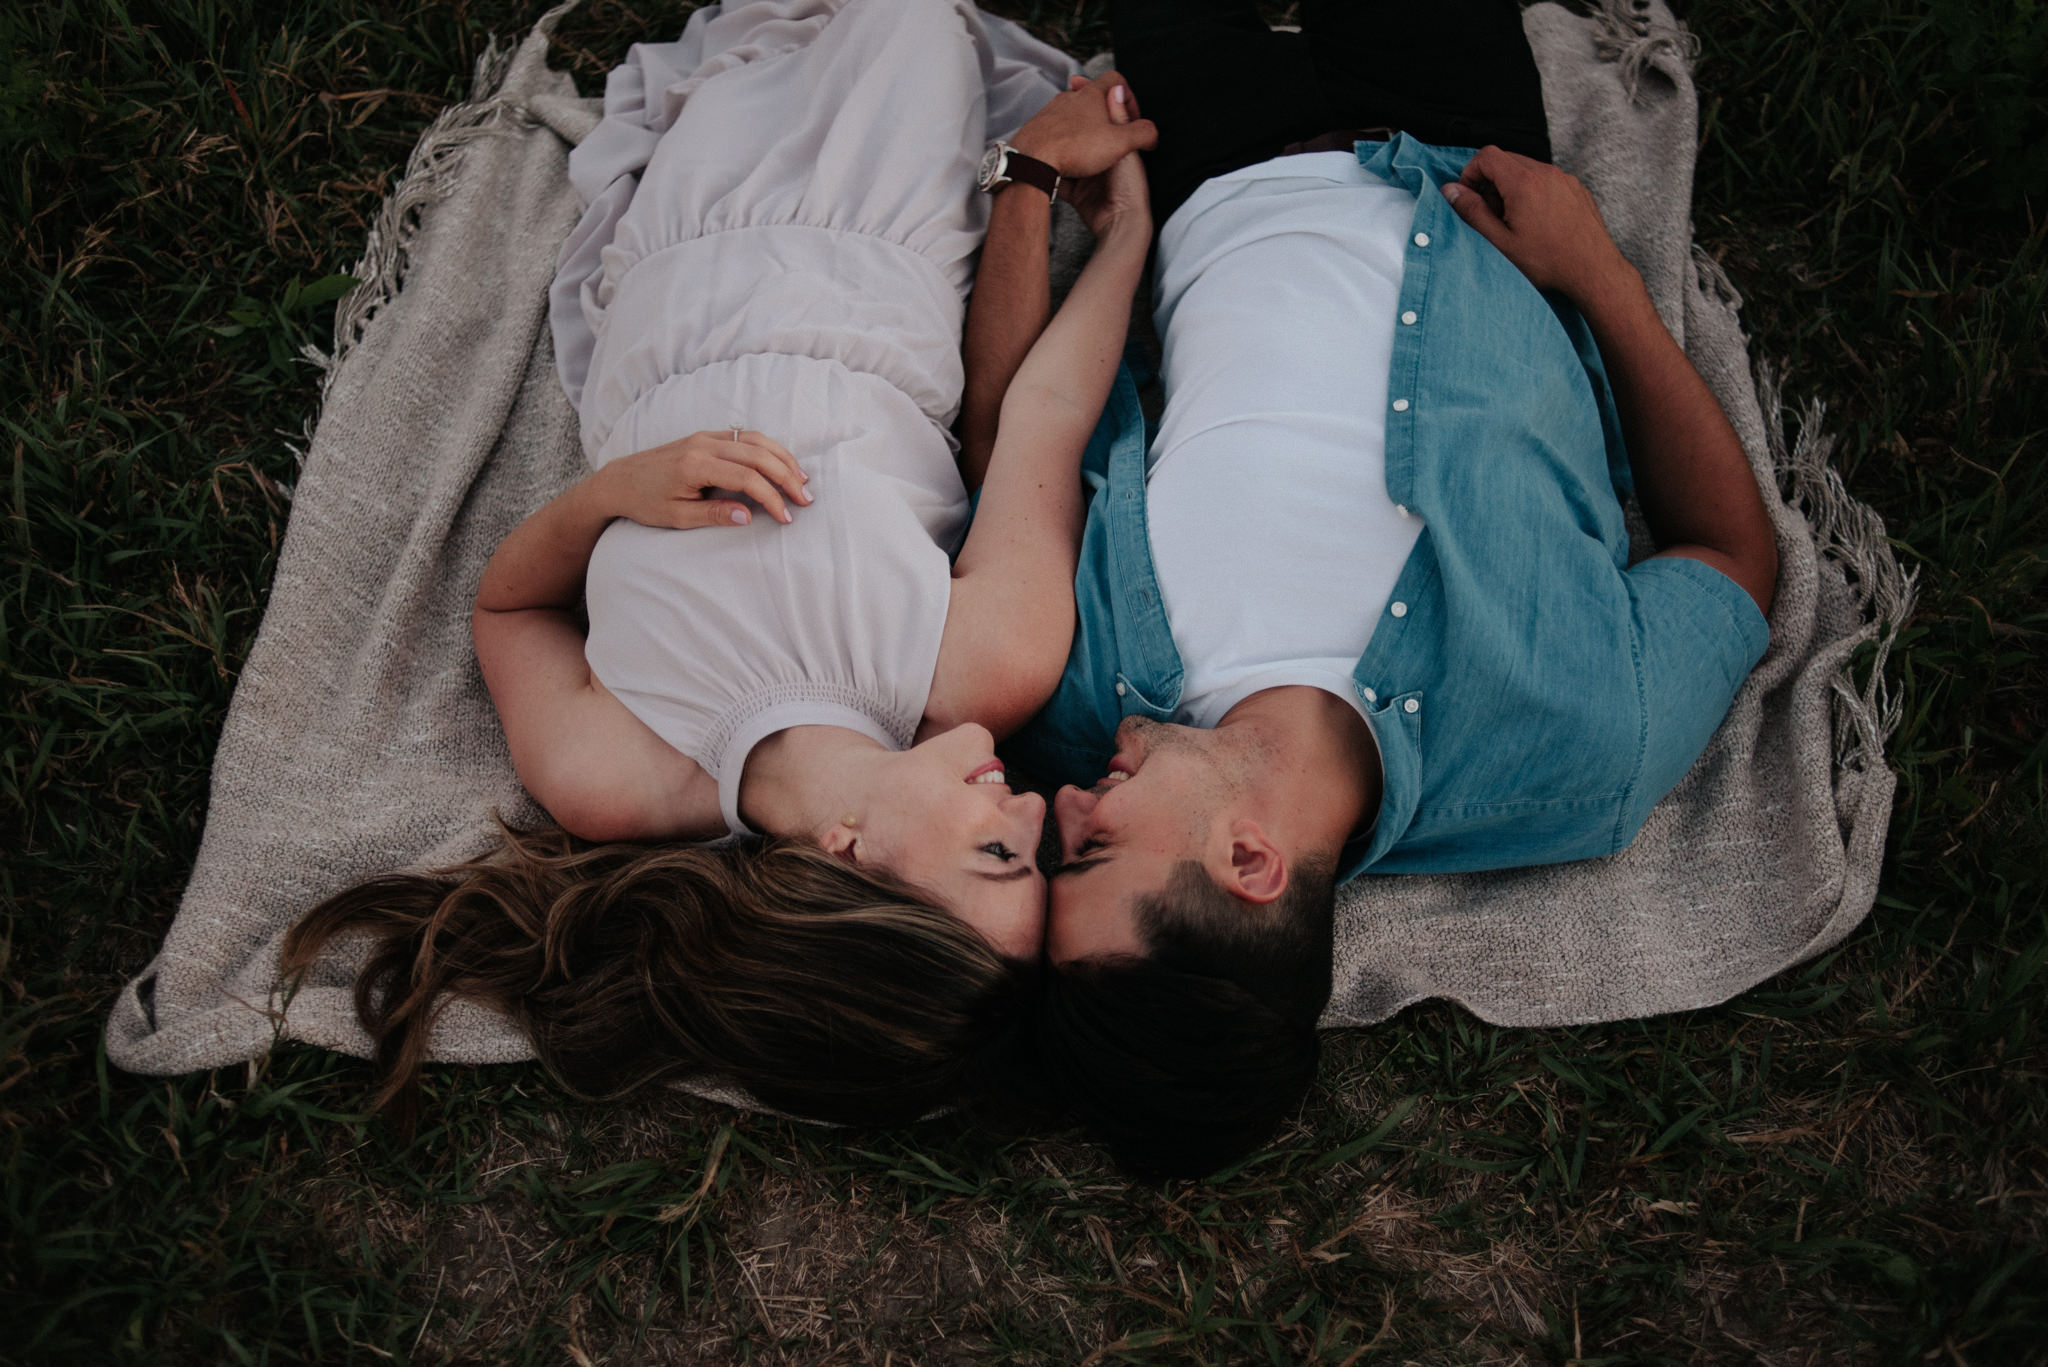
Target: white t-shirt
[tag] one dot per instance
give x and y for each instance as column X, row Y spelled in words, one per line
column 1275, row 543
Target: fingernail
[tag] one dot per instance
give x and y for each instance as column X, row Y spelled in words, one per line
column 803, row 495
column 739, row 517
column 1453, row 191
column 1116, row 92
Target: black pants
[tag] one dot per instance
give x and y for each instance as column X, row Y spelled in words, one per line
column 1228, row 92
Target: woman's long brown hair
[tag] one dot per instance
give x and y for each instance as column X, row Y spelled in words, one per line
column 825, row 991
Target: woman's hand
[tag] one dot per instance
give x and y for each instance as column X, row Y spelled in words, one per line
column 1117, row 200
column 667, row 486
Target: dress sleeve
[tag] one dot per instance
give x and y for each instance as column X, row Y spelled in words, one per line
column 1697, row 636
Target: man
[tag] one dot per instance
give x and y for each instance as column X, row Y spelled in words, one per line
column 1365, row 602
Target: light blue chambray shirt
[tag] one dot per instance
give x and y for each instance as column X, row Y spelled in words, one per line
column 1533, row 695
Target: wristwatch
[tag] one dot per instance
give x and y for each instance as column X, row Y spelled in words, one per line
column 1003, row 163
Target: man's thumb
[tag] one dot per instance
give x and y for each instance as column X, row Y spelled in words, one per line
column 1473, row 208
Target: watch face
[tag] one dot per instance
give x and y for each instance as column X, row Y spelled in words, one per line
column 991, row 172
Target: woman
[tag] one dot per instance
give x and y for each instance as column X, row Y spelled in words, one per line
column 761, row 311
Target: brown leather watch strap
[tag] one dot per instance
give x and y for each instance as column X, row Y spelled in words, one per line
column 1031, row 171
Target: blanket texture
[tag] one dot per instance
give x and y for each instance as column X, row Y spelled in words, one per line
column 361, row 739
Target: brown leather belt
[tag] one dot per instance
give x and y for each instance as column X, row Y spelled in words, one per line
column 1337, row 140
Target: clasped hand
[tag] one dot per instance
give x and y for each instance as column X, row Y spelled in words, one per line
column 1092, row 135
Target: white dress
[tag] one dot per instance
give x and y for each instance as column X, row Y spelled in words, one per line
column 781, row 233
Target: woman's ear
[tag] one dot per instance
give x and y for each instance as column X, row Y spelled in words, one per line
column 842, row 842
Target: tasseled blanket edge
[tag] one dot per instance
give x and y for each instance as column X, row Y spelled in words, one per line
column 1850, row 534
column 1629, row 38
column 430, row 175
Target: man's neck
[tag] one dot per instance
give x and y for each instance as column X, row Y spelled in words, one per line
column 1312, row 766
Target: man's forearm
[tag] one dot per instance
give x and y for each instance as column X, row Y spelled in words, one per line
column 1010, row 306
column 1692, row 479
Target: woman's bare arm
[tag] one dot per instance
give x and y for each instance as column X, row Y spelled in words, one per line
column 600, row 772
column 1010, row 621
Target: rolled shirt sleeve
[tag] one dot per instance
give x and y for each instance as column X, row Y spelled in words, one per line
column 1697, row 636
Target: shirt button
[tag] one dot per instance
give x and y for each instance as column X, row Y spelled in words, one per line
column 1422, row 239
column 1409, row 317
column 1371, row 696
column 1400, row 405
column 1120, row 689
column 1411, row 706
column 1402, row 509
column 1398, row 609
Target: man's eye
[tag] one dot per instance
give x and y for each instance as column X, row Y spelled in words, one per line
column 1088, row 847
column 999, row 850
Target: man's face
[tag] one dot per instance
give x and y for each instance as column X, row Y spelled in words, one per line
column 1160, row 804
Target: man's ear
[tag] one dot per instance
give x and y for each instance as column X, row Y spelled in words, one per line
column 842, row 842
column 1257, row 872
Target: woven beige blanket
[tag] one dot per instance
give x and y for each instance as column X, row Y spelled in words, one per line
column 361, row 739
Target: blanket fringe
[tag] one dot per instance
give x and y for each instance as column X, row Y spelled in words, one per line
column 1630, row 38
column 1713, row 280
column 431, row 174
column 1849, row 533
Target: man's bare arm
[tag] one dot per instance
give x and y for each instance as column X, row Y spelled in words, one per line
column 1011, row 304
column 1692, row 478
column 1081, row 134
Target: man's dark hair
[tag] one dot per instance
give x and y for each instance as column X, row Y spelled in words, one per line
column 1184, row 1060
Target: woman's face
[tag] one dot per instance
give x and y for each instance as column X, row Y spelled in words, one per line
column 953, row 827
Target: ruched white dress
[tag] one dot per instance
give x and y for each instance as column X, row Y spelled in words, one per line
column 781, row 233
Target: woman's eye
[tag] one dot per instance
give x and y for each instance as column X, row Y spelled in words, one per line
column 999, row 850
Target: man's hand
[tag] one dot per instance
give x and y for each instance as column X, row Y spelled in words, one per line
column 1119, row 195
column 1542, row 220
column 1088, row 129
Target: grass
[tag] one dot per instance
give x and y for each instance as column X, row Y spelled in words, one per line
column 1846, row 1164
